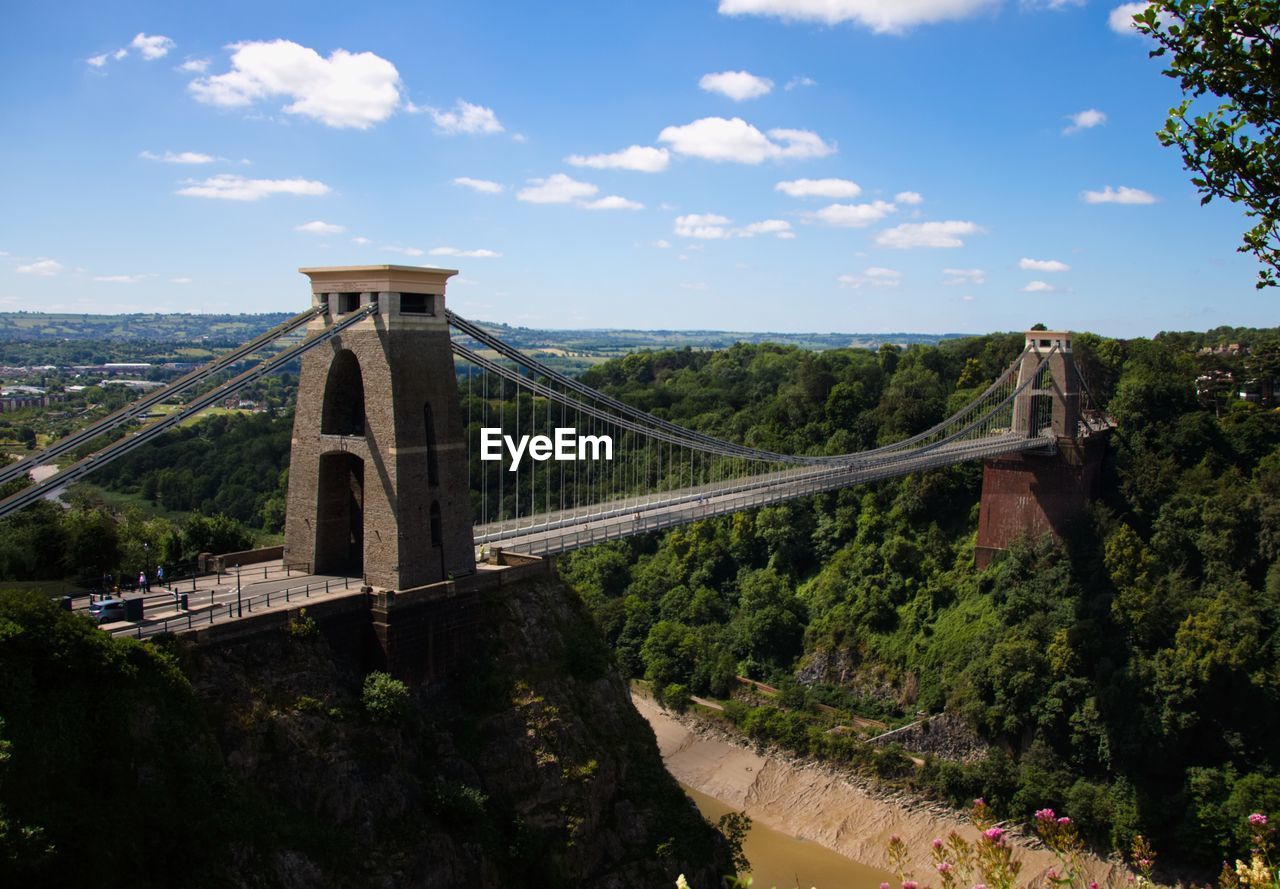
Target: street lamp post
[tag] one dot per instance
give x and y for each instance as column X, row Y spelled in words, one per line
column 239, row 604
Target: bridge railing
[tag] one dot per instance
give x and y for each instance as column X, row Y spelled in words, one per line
column 767, row 492
column 218, row 611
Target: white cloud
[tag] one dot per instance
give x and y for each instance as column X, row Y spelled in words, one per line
column 819, row 188
column 908, row 197
column 712, row 227
column 407, row 251
column 706, row 226
column 612, row 202
column 362, row 241
column 798, row 81
column 878, row 272
column 180, row 280
column 964, row 277
column 120, row 279
column 718, row 139
column 1121, row 18
column 469, row 254
column 484, row 186
column 230, row 187
column 737, row 85
column 1084, row 120
column 195, row 66
column 640, row 158
column 1043, row 265
column 853, row 215
column 320, row 228
column 153, row 47
column 927, row 234
column 119, row 54
column 661, row 244
column 695, row 285
column 43, row 268
column 1121, row 195
column 345, row 90
column 779, row 227
column 882, row 16
column 97, row 61
column 556, row 189
column 179, row 157
column 1038, row 287
column 876, row 276
column 466, row 118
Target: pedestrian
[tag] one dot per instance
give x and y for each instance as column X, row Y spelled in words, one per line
column 142, row 582
column 160, row 575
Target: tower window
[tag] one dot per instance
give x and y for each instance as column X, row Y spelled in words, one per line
column 416, row 304
column 348, row 302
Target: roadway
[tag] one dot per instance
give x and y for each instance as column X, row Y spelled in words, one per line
column 213, row 599
column 549, row 533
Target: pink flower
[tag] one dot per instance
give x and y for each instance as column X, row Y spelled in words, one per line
column 944, row 867
column 1064, row 820
column 993, row 833
column 1257, row 819
column 980, row 886
column 1051, row 874
column 884, row 886
column 937, row 843
column 910, row 884
column 894, row 838
column 1093, row 885
column 1045, row 815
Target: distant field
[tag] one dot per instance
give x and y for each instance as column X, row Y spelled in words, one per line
column 572, row 347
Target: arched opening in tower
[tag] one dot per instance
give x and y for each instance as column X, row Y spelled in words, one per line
column 429, row 427
column 340, row 515
column 343, row 397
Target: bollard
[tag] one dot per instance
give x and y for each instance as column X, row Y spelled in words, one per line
column 264, row 572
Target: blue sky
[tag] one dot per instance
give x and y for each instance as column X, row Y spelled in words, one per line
column 790, row 165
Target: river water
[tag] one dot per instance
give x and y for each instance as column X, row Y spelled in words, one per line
column 782, row 861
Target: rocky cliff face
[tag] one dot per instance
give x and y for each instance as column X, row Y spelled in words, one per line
column 530, row 769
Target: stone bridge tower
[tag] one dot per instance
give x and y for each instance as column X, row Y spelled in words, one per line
column 378, row 474
column 1041, row 493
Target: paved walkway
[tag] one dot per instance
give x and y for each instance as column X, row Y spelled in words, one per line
column 213, row 598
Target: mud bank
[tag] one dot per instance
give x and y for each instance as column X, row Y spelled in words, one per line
column 819, row 803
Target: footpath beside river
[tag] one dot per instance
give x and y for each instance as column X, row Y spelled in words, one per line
column 819, row 804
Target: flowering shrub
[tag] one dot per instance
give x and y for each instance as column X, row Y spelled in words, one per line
column 988, row 862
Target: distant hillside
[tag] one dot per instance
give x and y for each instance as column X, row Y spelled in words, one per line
column 41, row 326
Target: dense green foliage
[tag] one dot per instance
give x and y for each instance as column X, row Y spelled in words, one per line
column 1130, row 672
column 234, row 465
column 82, row 713
column 84, row 543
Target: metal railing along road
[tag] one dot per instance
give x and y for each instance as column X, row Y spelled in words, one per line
column 767, row 491
column 217, row 612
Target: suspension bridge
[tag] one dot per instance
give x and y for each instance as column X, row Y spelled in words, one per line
column 400, row 400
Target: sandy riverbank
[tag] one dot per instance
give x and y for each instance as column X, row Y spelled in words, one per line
column 816, row 802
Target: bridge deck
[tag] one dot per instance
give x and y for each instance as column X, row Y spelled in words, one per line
column 549, row 533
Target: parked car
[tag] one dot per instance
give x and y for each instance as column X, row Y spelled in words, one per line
column 107, row 610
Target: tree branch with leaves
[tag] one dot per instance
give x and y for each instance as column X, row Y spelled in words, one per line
column 1224, row 55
